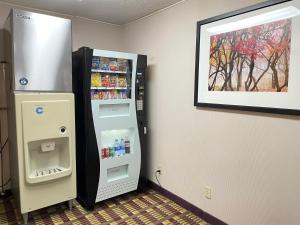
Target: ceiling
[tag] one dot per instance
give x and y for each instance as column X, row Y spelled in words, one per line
column 112, row 11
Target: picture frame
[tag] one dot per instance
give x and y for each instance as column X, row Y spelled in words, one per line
column 247, row 59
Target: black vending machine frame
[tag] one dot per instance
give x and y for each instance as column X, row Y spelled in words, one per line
column 87, row 153
column 141, row 94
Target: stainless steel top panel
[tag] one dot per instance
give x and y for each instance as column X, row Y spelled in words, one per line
column 42, row 52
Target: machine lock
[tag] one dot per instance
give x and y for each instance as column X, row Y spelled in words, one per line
column 63, row 130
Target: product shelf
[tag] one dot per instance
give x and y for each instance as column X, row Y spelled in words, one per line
column 108, row 88
column 109, row 71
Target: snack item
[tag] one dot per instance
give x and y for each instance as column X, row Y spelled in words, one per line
column 95, row 63
column 104, row 63
column 113, row 65
column 94, row 95
column 100, row 95
column 113, row 81
column 123, row 64
column 105, row 80
column 105, row 95
column 115, row 94
column 123, row 94
column 122, row 82
column 95, row 80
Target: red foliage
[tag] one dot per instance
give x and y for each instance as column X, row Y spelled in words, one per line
column 256, row 41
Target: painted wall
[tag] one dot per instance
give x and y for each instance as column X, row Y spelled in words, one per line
column 250, row 160
column 86, row 32
column 3, row 130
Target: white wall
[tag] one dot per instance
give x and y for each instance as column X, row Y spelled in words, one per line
column 3, row 131
column 251, row 160
column 85, row 33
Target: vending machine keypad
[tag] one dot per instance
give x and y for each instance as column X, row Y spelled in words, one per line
column 139, row 104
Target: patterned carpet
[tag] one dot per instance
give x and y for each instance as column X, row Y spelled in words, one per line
column 149, row 207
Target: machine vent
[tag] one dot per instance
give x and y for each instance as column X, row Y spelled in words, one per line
column 116, row 189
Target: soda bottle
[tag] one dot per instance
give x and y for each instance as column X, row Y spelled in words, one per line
column 122, row 147
column 117, row 147
column 127, row 145
column 107, row 152
column 102, row 153
column 111, row 151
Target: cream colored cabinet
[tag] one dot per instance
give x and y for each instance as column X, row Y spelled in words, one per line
column 44, row 152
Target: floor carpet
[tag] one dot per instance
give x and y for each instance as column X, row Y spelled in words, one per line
column 148, row 207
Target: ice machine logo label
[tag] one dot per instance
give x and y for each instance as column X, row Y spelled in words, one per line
column 39, row 110
column 23, row 16
column 23, row 81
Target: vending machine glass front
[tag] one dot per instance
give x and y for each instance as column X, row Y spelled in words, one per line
column 110, row 78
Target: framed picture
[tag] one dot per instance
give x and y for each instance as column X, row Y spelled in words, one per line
column 249, row 59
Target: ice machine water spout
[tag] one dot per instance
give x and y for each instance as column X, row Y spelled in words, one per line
column 46, row 161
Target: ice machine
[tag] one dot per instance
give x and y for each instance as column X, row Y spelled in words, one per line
column 41, row 110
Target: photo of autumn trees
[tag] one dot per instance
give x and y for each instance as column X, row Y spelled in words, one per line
column 254, row 59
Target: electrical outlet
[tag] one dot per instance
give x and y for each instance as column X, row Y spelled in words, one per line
column 207, row 192
column 159, row 170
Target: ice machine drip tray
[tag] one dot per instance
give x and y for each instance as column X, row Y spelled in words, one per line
column 48, row 159
column 48, row 171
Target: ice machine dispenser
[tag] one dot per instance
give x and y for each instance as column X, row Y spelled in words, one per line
column 41, row 110
column 46, row 139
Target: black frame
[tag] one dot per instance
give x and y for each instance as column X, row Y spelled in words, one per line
column 88, row 162
column 235, row 107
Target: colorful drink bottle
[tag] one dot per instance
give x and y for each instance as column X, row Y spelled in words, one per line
column 111, row 151
column 117, row 147
column 127, row 146
column 107, row 153
column 102, row 153
column 122, row 147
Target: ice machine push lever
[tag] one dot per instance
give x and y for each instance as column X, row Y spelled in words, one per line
column 48, row 146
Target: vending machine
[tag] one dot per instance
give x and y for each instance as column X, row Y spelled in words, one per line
column 41, row 110
column 109, row 92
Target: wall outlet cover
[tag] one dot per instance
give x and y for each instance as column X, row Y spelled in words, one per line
column 207, row 192
column 159, row 169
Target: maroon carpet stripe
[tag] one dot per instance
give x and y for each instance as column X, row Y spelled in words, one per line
column 139, row 208
column 99, row 217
